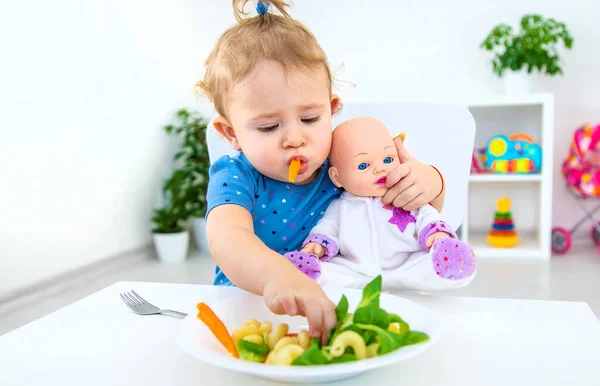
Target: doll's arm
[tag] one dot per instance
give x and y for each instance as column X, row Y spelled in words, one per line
column 326, row 232
column 431, row 225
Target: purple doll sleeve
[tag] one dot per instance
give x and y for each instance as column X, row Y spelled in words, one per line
column 434, row 227
column 329, row 245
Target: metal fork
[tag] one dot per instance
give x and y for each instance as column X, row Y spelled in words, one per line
column 141, row 307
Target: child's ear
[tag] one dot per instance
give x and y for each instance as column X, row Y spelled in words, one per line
column 223, row 127
column 336, row 104
column 335, row 177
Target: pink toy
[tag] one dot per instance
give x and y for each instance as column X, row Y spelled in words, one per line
column 581, row 170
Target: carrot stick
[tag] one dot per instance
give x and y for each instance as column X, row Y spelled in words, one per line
column 294, row 168
column 216, row 326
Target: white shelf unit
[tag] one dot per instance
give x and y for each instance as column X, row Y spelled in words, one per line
column 531, row 194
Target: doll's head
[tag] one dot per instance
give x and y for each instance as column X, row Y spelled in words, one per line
column 271, row 85
column 362, row 155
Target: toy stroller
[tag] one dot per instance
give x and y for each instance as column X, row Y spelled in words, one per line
column 581, row 170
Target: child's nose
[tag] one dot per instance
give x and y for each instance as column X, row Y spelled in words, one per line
column 294, row 139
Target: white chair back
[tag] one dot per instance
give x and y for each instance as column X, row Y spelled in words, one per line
column 436, row 134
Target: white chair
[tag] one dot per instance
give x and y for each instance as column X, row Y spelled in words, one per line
column 436, row 134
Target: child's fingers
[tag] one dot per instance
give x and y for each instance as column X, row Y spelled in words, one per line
column 329, row 318
column 403, row 154
column 314, row 315
column 405, row 198
column 397, row 189
column 289, row 305
column 416, row 203
column 283, row 303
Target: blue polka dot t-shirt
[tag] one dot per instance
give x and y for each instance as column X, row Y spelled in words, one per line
column 283, row 213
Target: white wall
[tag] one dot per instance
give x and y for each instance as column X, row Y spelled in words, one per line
column 416, row 50
column 85, row 88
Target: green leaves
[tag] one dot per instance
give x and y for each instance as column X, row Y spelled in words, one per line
column 371, row 294
column 186, row 187
column 252, row 352
column 372, row 315
column 312, row 356
column 389, row 341
column 342, row 308
column 534, row 47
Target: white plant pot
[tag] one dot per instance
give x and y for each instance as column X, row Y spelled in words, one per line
column 171, row 247
column 199, row 225
column 517, row 82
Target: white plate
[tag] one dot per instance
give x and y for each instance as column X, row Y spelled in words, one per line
column 198, row 341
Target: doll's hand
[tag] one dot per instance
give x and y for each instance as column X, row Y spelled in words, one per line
column 314, row 249
column 412, row 184
column 437, row 235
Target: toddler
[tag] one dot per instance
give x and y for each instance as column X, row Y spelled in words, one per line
column 271, row 86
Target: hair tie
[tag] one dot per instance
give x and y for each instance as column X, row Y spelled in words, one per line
column 262, row 8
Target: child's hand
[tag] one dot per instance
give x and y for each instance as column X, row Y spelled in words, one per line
column 411, row 185
column 437, row 235
column 300, row 295
column 314, row 249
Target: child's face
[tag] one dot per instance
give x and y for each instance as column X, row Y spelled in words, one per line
column 362, row 155
column 276, row 116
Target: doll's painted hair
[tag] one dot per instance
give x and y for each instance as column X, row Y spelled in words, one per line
column 266, row 36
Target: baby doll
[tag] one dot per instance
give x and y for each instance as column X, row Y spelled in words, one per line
column 359, row 238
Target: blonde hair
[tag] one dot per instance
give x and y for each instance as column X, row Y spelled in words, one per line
column 266, row 36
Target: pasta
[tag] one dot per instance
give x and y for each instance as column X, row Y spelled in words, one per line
column 367, row 333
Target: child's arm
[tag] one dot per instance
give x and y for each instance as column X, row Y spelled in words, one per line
column 255, row 268
column 323, row 239
column 247, row 261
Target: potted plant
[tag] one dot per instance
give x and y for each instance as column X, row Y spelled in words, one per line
column 534, row 47
column 190, row 179
column 170, row 236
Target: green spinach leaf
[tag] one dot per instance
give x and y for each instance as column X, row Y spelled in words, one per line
column 342, row 308
column 372, row 315
column 371, row 294
column 344, row 358
column 251, row 351
column 389, row 341
column 414, row 337
column 312, row 356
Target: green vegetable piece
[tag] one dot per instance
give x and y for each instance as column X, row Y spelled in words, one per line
column 342, row 308
column 344, row 358
column 389, row 341
column 415, row 337
column 252, row 352
column 312, row 356
column 372, row 315
column 371, row 294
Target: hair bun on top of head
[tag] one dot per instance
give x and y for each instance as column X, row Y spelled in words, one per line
column 262, row 7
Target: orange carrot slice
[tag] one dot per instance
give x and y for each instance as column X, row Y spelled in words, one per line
column 216, row 326
column 295, row 166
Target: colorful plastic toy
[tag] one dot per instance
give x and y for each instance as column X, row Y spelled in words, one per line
column 503, row 234
column 513, row 154
column 581, row 171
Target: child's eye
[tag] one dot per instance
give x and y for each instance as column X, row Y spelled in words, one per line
column 267, row 128
column 363, row 166
column 310, row 120
column 388, row 160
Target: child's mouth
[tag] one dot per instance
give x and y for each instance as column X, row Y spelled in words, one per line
column 381, row 181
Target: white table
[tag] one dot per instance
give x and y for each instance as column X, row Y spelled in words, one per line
column 98, row 341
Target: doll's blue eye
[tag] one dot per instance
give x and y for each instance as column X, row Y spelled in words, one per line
column 388, row 160
column 363, row 166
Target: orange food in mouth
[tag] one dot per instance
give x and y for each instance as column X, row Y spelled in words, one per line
column 295, row 166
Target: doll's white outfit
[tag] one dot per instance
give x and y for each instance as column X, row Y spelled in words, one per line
column 363, row 238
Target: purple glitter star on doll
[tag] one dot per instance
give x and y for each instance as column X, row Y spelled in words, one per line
column 400, row 217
